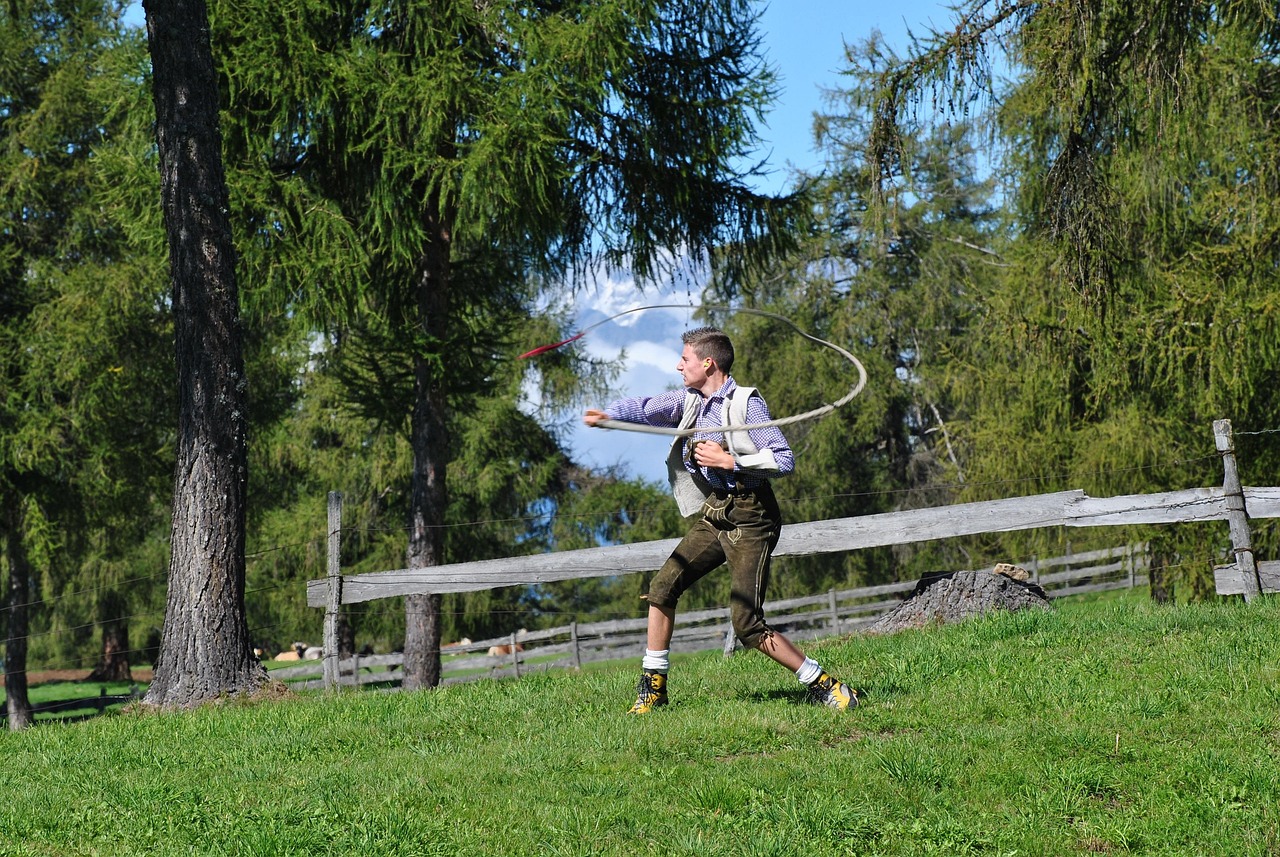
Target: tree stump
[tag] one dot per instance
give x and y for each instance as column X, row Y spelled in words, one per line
column 941, row 599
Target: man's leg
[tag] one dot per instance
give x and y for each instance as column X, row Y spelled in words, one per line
column 698, row 553
column 662, row 622
column 781, row 649
column 652, row 690
column 750, row 553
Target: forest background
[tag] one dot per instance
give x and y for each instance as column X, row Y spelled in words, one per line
column 1056, row 280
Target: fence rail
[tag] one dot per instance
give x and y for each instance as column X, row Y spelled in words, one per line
column 809, row 617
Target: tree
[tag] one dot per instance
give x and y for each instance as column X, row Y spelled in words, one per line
column 467, row 149
column 78, row 325
column 205, row 650
column 1140, row 148
column 902, row 293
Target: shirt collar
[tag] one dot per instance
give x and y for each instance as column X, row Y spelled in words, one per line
column 726, row 389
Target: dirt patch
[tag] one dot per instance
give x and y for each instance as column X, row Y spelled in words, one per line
column 48, row 676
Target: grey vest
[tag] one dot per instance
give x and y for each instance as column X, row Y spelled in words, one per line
column 688, row 493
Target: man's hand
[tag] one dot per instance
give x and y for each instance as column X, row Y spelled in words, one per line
column 593, row 416
column 708, row 453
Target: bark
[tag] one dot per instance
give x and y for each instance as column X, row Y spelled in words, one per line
column 205, row 651
column 114, row 665
column 430, row 434
column 346, row 636
column 942, row 599
column 17, row 704
column 1158, row 578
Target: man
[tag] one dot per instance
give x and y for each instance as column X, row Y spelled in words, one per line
column 723, row 477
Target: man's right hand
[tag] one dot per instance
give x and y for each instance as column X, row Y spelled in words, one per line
column 593, row 416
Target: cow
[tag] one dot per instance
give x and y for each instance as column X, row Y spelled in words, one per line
column 294, row 655
column 499, row 651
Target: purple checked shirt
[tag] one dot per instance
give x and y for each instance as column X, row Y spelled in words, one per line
column 667, row 409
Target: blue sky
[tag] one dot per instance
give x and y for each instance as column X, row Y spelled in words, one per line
column 805, row 42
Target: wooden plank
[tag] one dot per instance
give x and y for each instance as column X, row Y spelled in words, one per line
column 489, row 574
column 1047, row 580
column 1087, row 556
column 1262, row 502
column 1230, row 579
column 1067, row 591
column 802, row 539
column 918, row 525
column 1168, row 507
column 333, row 598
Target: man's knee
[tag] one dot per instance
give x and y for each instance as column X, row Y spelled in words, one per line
column 664, row 589
column 751, row 631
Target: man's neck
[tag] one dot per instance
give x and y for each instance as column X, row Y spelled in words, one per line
column 712, row 385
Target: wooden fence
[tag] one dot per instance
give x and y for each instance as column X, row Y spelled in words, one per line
column 826, row 615
column 96, row 704
column 1230, row 503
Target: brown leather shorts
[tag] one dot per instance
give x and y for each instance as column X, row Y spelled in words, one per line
column 740, row 529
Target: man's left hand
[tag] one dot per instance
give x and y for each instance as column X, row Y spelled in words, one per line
column 711, row 454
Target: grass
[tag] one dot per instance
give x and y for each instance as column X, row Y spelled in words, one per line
column 1099, row 728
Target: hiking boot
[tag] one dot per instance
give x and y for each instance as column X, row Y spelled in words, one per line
column 826, row 690
column 650, row 693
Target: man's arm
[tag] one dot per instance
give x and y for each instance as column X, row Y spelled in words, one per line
column 663, row 410
column 774, row 457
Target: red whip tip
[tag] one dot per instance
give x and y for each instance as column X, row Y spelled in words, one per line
column 544, row 348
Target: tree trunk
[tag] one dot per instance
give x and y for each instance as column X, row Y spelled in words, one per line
column 953, row 597
column 430, row 434
column 1158, row 578
column 114, row 665
column 205, row 651
column 346, row 635
column 17, row 705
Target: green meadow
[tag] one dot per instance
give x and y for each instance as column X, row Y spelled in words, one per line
column 1103, row 727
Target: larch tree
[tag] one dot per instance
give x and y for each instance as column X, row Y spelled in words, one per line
column 1139, row 147
column 205, row 650
column 78, row 332
column 458, row 151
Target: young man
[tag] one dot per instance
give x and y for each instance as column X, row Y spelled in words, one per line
column 723, row 477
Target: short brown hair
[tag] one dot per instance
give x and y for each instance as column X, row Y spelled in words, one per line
column 711, row 342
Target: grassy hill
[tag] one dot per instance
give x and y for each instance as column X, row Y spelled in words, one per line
column 1104, row 727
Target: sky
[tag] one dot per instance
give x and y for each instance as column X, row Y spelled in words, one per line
column 804, row 40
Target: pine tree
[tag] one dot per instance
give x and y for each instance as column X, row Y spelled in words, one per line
column 82, row 348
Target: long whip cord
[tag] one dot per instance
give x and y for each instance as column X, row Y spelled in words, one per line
column 619, row 425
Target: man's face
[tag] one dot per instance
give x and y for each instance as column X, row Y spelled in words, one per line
column 693, row 369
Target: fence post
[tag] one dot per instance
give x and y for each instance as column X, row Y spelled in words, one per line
column 835, row 614
column 573, row 638
column 335, row 594
column 1237, row 517
column 515, row 655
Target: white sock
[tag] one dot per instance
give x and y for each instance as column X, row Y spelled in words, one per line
column 656, row 661
column 809, row 671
